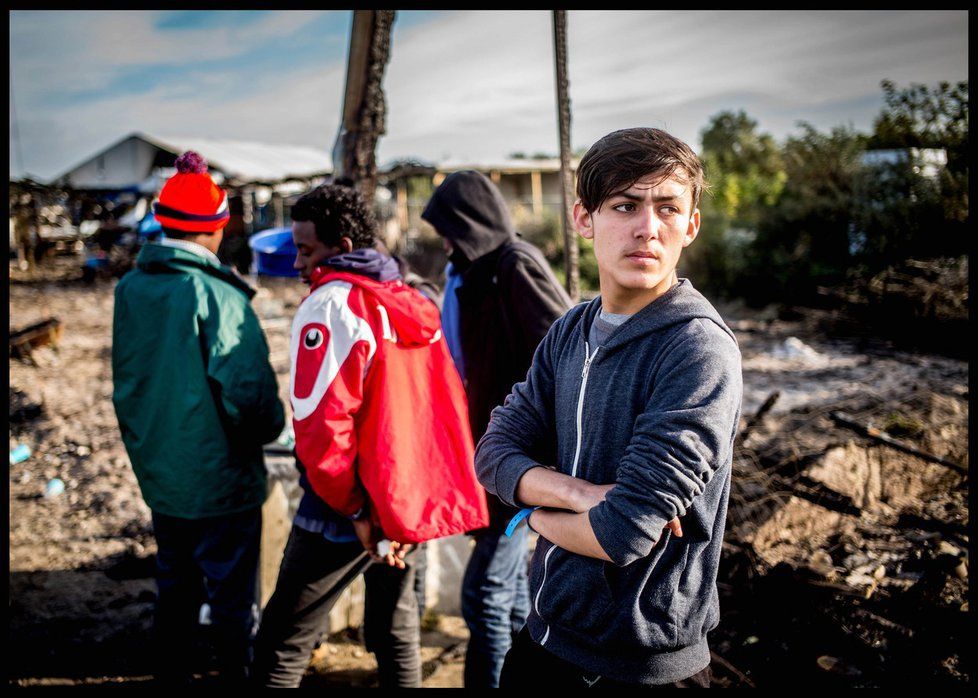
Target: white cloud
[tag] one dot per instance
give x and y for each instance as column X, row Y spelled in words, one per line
column 478, row 84
column 471, row 84
column 660, row 68
column 85, row 50
column 786, row 61
column 300, row 110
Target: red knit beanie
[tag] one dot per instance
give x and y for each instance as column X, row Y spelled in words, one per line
column 190, row 201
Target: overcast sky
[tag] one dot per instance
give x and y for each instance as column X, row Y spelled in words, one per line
column 468, row 85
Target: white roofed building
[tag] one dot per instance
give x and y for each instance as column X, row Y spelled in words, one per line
column 141, row 162
column 259, row 178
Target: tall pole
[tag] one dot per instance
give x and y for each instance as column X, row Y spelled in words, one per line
column 566, row 175
column 364, row 108
column 16, row 129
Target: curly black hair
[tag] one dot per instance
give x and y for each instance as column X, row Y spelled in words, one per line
column 337, row 211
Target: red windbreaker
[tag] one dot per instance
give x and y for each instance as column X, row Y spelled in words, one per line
column 379, row 410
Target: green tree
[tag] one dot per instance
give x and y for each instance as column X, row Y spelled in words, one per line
column 745, row 174
column 923, row 117
column 907, row 207
column 803, row 240
column 744, row 168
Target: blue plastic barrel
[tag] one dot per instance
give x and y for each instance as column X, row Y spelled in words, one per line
column 274, row 251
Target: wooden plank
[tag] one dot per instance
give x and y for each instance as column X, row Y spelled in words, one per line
column 42, row 333
column 884, row 438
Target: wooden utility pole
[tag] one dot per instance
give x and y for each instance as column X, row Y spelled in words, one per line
column 566, row 175
column 364, row 108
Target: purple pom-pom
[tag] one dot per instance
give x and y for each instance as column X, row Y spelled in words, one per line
column 191, row 163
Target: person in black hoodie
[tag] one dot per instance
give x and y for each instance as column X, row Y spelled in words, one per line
column 507, row 299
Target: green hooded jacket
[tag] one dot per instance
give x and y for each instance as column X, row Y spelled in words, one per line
column 194, row 392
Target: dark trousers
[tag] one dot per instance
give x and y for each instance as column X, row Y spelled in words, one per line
column 313, row 574
column 528, row 665
column 495, row 603
column 212, row 560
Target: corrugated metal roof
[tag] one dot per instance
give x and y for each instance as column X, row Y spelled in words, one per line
column 251, row 161
column 505, row 165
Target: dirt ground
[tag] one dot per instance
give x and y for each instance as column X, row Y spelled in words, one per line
column 845, row 563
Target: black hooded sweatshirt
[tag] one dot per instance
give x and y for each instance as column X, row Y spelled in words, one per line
column 508, row 299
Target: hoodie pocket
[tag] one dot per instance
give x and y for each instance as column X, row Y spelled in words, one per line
column 664, row 605
column 575, row 593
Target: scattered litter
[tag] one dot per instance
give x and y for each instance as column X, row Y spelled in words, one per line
column 255, row 621
column 54, row 488
column 286, row 438
column 821, row 563
column 794, row 349
column 835, row 665
column 20, row 454
column 282, row 446
column 946, row 548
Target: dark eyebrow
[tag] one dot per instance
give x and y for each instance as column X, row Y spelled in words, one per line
column 626, row 195
column 636, row 197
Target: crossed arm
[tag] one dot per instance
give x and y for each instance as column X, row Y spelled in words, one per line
column 566, row 501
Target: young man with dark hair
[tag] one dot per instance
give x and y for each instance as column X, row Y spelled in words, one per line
column 636, row 397
column 381, row 441
column 196, row 398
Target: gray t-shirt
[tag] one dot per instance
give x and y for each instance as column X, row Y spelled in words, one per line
column 603, row 326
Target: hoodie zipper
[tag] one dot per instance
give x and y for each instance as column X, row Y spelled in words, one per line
column 588, row 358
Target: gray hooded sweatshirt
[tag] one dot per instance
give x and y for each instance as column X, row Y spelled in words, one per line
column 654, row 411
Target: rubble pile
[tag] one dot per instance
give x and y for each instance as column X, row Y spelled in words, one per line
column 846, row 557
column 922, row 303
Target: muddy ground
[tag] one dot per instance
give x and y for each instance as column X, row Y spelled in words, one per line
column 846, row 560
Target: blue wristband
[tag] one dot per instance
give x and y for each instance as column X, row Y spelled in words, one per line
column 516, row 520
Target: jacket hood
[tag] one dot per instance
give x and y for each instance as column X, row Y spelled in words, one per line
column 468, row 209
column 414, row 319
column 680, row 304
column 368, row 262
column 160, row 259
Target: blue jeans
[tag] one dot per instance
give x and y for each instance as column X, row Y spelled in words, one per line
column 495, row 603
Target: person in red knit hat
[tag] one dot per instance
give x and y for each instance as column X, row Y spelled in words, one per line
column 191, row 205
column 196, row 398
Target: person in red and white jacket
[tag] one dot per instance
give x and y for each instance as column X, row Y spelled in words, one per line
column 383, row 445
